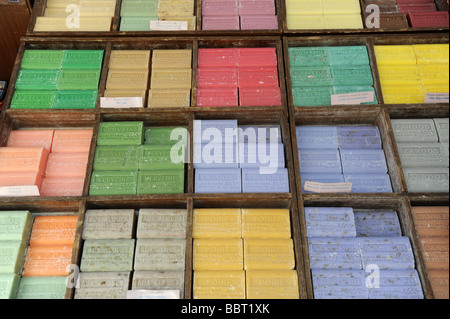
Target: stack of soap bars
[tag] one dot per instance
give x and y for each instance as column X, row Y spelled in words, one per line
column 238, row 77
column 58, row 79
column 76, row 16
column 360, row 255
column 239, row 15
column 323, row 14
column 246, row 253
column 423, row 146
column 128, row 162
column 317, row 73
column 338, row 154
column 136, row 15
column 409, row 72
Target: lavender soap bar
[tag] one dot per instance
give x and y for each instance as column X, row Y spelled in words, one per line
column 218, row 180
column 254, row 181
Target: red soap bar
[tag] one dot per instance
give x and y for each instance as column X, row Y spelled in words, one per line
column 224, row 97
column 258, row 77
column 217, row 78
column 31, row 138
column 72, row 141
column 260, row 96
column 67, row 165
column 257, row 57
column 221, row 23
column 21, row 179
column 421, row 7
column 218, row 58
column 429, row 19
column 414, row 1
column 62, row 187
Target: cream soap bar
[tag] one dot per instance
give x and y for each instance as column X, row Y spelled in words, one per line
column 108, row 224
column 103, row 285
column 160, row 254
column 162, row 223
column 107, row 255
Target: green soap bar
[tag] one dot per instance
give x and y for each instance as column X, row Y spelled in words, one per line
column 163, row 135
column 161, row 182
column 356, row 89
column 82, row 59
column 139, row 8
column 15, row 225
column 104, row 183
column 351, row 55
column 67, row 99
column 9, row 284
column 38, row 79
column 308, row 56
column 155, row 157
column 42, row 60
column 311, row 76
column 33, row 99
column 79, row 79
column 121, row 133
column 12, row 256
column 107, row 255
column 116, row 158
column 360, row 75
column 312, row 96
column 136, row 23
column 42, row 288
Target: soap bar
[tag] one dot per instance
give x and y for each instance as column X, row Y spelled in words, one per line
column 414, row 130
column 176, row 7
column 72, row 141
column 87, row 24
column 398, row 75
column 395, row 55
column 220, row 8
column 369, row 183
column 261, row 155
column 107, row 255
column 377, row 224
column 387, row 252
column 363, row 161
column 257, row 57
column 171, row 78
column 139, row 8
column 21, row 179
column 436, row 252
column 423, row 155
column 54, row 230
column 320, row 161
column 42, row 288
column 218, row 58
column 334, row 253
column 47, row 260
column 34, row 99
column 339, row 284
column 108, row 224
column 218, row 254
column 351, row 75
column 431, row 221
column 442, row 127
column 305, row 22
column 83, row 59
column 104, row 183
column 217, row 77
column 218, row 180
column 98, row 8
column 67, row 165
column 159, row 280
column 216, row 155
column 62, row 186
column 204, row 128
column 359, row 137
column 344, row 21
column 136, row 23
column 341, row 7
column 9, row 284
column 169, row 135
column 161, row 223
column 222, row 97
column 431, row 53
column 78, row 79
column 397, row 284
column 330, row 222
column 260, row 7
column 159, row 157
column 434, row 74
column 312, row 96
column 117, row 158
column 38, row 79
column 15, row 225
column 83, row 99
column 269, row 254
column 216, row 23
column 13, row 252
column 427, row 179
column 129, row 59
column 416, row 7
column 190, row 20
column 217, row 223
column 103, row 285
column 219, row 284
column 172, row 59
column 272, row 284
column 311, row 76
column 258, row 77
column 160, row 182
column 42, row 59
column 254, row 134
column 439, row 282
column 317, row 137
column 308, row 56
column 160, row 254
column 260, row 96
column 266, row 223
column 169, row 98
column 265, row 180
column 393, row 20
column 126, row 93
column 121, row 133
column 304, row 6
column 348, row 55
column 405, row 94
column 321, row 178
column 23, row 159
column 127, row 79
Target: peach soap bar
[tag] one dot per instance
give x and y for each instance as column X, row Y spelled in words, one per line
column 72, row 141
column 21, row 179
column 31, row 138
column 47, row 260
column 23, row 159
column 67, row 165
column 217, row 223
column 62, row 186
column 54, row 230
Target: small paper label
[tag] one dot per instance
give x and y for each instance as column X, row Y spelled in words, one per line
column 352, row 98
column 121, row 102
column 168, row 25
column 19, row 191
column 328, row 187
column 153, row 294
column 437, row 98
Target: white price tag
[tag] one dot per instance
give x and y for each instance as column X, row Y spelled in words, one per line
column 168, row 25
column 19, row 191
column 352, row 98
column 153, row 294
column 328, row 187
column 121, row 102
column 437, row 98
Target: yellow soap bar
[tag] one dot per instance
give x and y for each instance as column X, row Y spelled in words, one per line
column 127, row 79
column 262, row 254
column 172, row 59
column 403, row 94
column 266, row 223
column 304, row 7
column 219, row 284
column 218, row 254
column 171, row 78
column 169, row 98
column 100, row 8
column 436, row 88
column 61, row 3
column 432, row 53
column 217, row 223
column 125, row 93
column 192, row 21
column 434, row 73
column 395, row 55
column 86, row 24
column 343, row 21
column 272, row 284
column 305, row 22
column 56, row 12
column 341, row 7
column 130, row 59
column 399, row 75
column 179, row 8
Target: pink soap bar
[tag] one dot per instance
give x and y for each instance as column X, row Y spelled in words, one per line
column 218, row 58
column 67, row 165
column 21, row 179
column 266, row 22
column 23, row 159
column 72, row 141
column 221, row 23
column 257, row 57
column 220, row 7
column 217, row 97
column 217, row 78
column 256, row 7
column 258, row 77
column 419, row 7
column 31, row 138
column 62, row 187
column 260, row 96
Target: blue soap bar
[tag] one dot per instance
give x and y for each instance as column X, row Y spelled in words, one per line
column 387, row 252
column 252, row 134
column 321, row 178
column 320, row 161
column 317, row 137
column 254, row 180
column 369, row 183
column 358, row 137
column 330, row 222
column 334, row 253
column 397, row 284
column 207, row 131
column 218, row 180
column 377, row 224
column 339, row 284
column 366, row 161
column 215, row 156
column 261, row 155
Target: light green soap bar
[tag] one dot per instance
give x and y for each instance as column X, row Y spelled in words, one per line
column 12, row 256
column 15, row 225
column 76, row 99
column 112, row 158
column 304, row 57
column 105, row 183
column 160, row 182
column 121, row 133
column 139, row 8
column 37, row 79
column 156, row 157
column 312, row 96
column 107, row 255
column 351, row 55
column 136, row 23
column 82, row 59
column 42, row 60
column 24, row 99
column 311, row 76
column 8, row 285
column 42, row 288
column 79, row 79
column 164, row 135
column 352, row 75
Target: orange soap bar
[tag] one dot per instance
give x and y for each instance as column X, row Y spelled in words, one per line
column 431, row 221
column 67, row 165
column 23, row 159
column 439, row 282
column 21, row 179
column 72, row 141
column 436, row 252
column 31, row 138
column 62, row 187
column 54, row 230
column 47, row 260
